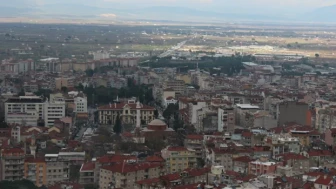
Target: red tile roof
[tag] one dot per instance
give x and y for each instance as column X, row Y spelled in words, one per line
column 73, row 143
column 246, row 178
column 222, row 151
column 154, row 158
column 169, row 98
column 323, row 180
column 261, row 148
column 34, row 160
column 188, row 186
column 126, row 167
column 319, row 153
column 247, row 134
column 115, row 158
column 244, row 159
column 232, row 173
column 89, row 166
column 333, row 131
column 198, row 172
column 308, row 185
column 127, row 134
column 195, row 137
column 149, row 181
column 9, row 151
column 120, row 106
column 177, row 148
column 171, row 177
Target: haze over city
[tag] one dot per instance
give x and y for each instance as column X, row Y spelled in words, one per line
column 168, row 94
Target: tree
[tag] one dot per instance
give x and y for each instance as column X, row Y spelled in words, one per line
column 64, row 89
column 80, row 87
column 156, row 114
column 117, row 125
column 177, row 122
column 3, row 124
column 89, row 72
column 21, row 93
column 18, row 184
column 43, row 92
column 170, row 110
column 317, row 55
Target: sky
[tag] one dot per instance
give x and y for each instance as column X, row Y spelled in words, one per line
column 298, row 4
column 232, row 6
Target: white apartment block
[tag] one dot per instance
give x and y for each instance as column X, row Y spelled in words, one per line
column 53, row 110
column 80, row 105
column 27, row 110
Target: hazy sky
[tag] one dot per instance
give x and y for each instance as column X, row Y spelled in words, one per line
column 200, row 3
column 216, row 5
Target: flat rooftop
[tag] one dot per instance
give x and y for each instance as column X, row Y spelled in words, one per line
column 247, row 106
column 25, row 99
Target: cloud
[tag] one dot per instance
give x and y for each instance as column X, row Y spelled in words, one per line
column 108, row 15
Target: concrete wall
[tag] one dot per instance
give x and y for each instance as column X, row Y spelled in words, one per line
column 293, row 112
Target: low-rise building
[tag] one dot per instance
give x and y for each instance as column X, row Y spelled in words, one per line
column 179, row 158
column 125, row 175
column 12, row 164
column 35, row 170
column 260, row 167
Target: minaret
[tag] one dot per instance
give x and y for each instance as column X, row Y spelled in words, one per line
column 138, row 119
column 32, row 146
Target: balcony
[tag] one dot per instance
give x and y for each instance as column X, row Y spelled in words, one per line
column 30, row 173
column 123, row 177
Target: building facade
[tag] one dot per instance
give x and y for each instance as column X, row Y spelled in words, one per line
column 35, row 170
column 12, row 164
column 127, row 112
column 24, row 110
column 80, row 105
column 179, row 158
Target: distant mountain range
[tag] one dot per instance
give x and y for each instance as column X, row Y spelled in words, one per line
column 324, row 14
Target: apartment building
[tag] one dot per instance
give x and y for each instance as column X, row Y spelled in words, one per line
column 87, row 173
column 260, row 167
column 35, row 170
column 192, row 109
column 125, row 174
column 80, row 105
column 293, row 112
column 284, row 144
column 240, row 164
column 57, row 169
column 53, row 109
column 194, row 142
column 325, row 119
column 299, row 163
column 24, row 110
column 12, row 164
column 177, row 85
column 126, row 111
column 330, row 137
column 28, row 110
column 226, row 120
column 179, row 158
column 222, row 157
column 64, row 82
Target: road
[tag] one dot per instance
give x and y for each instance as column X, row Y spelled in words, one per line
column 173, row 49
